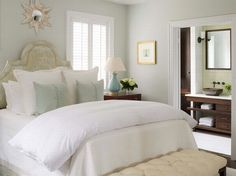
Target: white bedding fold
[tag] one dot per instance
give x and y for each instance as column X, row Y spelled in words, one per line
column 53, row 137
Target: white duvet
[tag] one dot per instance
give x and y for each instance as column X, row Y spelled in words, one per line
column 54, row 137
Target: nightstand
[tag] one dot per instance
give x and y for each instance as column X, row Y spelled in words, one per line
column 121, row 96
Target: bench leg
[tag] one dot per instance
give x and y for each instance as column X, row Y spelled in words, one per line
column 222, row 171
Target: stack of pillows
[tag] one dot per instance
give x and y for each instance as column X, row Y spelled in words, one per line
column 37, row 92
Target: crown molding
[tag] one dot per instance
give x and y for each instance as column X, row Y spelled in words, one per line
column 127, row 2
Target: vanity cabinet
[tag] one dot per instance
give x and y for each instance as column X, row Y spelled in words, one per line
column 221, row 112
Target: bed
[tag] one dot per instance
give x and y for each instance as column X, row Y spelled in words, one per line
column 102, row 152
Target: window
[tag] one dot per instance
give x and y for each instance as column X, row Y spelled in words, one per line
column 90, row 41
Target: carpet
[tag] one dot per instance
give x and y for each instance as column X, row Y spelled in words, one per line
column 6, row 172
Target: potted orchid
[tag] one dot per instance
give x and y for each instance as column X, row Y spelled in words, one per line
column 128, row 84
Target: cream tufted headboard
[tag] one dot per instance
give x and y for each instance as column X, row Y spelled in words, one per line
column 39, row 55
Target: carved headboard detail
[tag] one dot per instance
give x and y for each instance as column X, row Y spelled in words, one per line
column 39, row 55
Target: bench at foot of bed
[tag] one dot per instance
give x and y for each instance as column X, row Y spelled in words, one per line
column 184, row 162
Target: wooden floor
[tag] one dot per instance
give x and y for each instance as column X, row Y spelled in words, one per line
column 230, row 163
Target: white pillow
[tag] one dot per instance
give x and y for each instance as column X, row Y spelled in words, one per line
column 14, row 97
column 82, row 76
column 26, row 80
column 6, row 87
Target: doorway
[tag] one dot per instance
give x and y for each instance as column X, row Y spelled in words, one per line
column 175, row 62
column 213, row 126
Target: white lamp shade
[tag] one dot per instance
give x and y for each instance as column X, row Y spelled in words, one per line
column 114, row 64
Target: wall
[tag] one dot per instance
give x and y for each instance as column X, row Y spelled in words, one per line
column 196, row 61
column 15, row 35
column 149, row 21
column 214, row 75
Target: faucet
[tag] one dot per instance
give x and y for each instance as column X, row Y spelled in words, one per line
column 214, row 83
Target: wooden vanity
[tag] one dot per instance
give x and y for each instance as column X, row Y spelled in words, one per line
column 221, row 111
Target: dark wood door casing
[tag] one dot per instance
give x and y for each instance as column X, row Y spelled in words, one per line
column 185, row 49
column 185, row 59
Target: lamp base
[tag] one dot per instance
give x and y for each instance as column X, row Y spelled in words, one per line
column 113, row 93
column 114, row 85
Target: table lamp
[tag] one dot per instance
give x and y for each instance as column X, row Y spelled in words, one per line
column 114, row 65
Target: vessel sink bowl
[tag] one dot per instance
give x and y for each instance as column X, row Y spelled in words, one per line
column 212, row 91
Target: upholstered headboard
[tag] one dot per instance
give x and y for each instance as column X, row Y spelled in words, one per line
column 39, row 55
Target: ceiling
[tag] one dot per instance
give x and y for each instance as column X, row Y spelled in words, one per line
column 127, row 2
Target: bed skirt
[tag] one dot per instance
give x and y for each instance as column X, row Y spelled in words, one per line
column 109, row 151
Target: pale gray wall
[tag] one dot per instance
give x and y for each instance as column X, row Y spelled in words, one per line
column 14, row 35
column 150, row 22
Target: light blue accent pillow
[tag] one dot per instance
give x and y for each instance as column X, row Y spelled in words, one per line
column 93, row 91
column 49, row 97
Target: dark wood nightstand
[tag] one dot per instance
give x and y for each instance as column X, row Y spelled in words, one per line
column 123, row 97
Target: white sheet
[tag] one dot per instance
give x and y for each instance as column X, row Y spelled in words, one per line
column 64, row 130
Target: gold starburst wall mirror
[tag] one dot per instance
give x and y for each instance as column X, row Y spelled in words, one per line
column 36, row 15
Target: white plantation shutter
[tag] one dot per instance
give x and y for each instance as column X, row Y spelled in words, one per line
column 89, row 41
column 99, row 48
column 80, row 46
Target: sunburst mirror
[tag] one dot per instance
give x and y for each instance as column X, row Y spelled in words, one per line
column 36, row 15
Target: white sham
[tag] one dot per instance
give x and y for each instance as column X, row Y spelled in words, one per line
column 14, row 97
column 26, row 80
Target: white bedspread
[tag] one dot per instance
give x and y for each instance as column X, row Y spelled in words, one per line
column 55, row 136
column 10, row 125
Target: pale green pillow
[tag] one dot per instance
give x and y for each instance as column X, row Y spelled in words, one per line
column 93, row 91
column 49, row 97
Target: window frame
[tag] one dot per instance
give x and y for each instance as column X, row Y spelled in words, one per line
column 74, row 16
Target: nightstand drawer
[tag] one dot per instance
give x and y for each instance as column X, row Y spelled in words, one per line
column 123, row 97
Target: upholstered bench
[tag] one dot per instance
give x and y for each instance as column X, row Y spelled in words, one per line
column 180, row 163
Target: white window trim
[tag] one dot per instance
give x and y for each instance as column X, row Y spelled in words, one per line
column 89, row 18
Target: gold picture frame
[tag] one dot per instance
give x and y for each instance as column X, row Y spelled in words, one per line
column 146, row 51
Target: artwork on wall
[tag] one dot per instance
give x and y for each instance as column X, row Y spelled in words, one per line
column 36, row 15
column 147, row 52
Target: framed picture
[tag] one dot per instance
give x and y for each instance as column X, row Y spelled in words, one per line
column 147, row 52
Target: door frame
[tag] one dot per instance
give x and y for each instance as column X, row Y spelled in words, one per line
column 174, row 87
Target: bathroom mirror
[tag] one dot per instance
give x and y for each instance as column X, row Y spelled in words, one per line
column 218, row 49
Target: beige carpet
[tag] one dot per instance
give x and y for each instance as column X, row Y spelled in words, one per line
column 6, row 172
